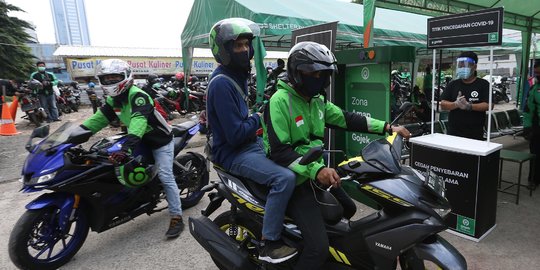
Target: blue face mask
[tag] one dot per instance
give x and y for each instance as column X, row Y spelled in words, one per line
column 312, row 86
column 463, row 73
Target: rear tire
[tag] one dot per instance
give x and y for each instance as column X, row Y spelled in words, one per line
column 37, row 230
column 191, row 182
column 244, row 227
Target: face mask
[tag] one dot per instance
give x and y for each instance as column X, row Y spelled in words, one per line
column 41, row 69
column 463, row 73
column 312, row 86
column 241, row 61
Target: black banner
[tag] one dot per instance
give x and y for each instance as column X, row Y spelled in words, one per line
column 322, row 33
column 479, row 28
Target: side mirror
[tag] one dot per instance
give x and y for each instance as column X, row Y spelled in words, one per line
column 39, row 132
column 313, row 154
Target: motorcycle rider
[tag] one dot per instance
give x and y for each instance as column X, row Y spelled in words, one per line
column 46, row 95
column 295, row 122
column 235, row 146
column 144, row 125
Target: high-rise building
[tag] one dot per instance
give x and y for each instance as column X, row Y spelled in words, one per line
column 70, row 24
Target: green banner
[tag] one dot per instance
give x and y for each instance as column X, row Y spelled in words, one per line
column 369, row 18
column 260, row 53
column 465, row 225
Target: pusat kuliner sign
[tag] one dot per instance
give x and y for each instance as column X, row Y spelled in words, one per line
column 473, row 29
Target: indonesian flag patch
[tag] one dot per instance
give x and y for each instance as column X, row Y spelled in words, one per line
column 299, row 121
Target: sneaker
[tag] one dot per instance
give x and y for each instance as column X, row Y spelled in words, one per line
column 175, row 227
column 275, row 251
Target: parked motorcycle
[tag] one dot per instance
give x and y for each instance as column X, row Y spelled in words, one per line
column 32, row 108
column 86, row 193
column 500, row 91
column 412, row 207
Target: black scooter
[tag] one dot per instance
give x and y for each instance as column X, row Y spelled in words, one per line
column 411, row 204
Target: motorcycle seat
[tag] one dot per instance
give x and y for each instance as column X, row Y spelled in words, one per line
column 257, row 190
column 180, row 129
column 197, row 94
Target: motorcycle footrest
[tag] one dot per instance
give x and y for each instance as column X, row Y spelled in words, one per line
column 220, row 246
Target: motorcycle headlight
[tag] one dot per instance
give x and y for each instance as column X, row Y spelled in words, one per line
column 42, row 179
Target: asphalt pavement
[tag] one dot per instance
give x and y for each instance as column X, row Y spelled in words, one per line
column 140, row 244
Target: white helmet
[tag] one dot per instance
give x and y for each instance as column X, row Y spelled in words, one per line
column 114, row 67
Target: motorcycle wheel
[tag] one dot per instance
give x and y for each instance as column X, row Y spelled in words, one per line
column 37, row 243
column 409, row 261
column 506, row 99
column 243, row 228
column 191, row 181
column 66, row 109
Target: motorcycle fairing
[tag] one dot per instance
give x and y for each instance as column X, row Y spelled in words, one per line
column 62, row 201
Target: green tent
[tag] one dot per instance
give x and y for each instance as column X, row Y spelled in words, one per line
column 521, row 15
column 277, row 19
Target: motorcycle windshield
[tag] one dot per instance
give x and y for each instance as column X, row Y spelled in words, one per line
column 383, row 156
column 58, row 137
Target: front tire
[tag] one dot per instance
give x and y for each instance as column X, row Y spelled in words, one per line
column 409, row 261
column 192, row 180
column 36, row 242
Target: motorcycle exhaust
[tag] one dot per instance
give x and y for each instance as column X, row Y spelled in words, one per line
column 42, row 112
column 220, row 246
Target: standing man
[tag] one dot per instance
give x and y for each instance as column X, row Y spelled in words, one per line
column 144, row 125
column 46, row 95
column 235, row 146
column 295, row 122
column 428, row 84
column 531, row 126
column 467, row 99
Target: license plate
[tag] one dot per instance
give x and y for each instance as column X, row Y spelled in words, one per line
column 435, row 183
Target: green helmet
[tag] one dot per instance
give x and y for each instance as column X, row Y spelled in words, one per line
column 229, row 30
column 134, row 173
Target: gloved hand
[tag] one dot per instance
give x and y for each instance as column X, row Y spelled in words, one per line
column 119, row 157
column 527, row 133
column 462, row 103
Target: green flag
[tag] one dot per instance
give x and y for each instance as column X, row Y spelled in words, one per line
column 260, row 53
column 369, row 16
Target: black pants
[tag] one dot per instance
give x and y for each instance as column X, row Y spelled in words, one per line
column 304, row 210
column 534, row 147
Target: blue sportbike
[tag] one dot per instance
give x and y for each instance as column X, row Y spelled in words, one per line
column 86, row 193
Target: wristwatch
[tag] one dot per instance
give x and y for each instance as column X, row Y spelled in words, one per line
column 389, row 130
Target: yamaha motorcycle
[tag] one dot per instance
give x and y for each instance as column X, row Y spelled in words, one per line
column 411, row 210
column 86, row 193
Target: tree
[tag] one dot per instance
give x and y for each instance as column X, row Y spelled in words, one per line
column 16, row 59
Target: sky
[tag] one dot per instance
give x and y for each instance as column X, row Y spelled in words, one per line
column 133, row 23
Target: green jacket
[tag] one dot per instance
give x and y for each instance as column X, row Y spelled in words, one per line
column 533, row 105
column 135, row 110
column 293, row 126
column 45, row 76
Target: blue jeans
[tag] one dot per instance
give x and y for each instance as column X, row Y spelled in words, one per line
column 252, row 163
column 48, row 102
column 164, row 157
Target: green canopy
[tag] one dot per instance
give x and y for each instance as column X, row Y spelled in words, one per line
column 522, row 15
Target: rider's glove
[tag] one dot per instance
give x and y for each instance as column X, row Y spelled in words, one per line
column 462, row 103
column 119, row 157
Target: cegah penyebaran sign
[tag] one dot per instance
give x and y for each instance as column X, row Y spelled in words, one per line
column 479, row 28
column 142, row 66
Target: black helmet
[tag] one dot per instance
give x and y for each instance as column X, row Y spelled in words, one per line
column 35, row 85
column 309, row 56
column 152, row 78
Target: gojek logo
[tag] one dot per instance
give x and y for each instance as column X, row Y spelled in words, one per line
column 365, row 73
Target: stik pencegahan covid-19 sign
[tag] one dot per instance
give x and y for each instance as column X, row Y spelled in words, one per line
column 479, row 28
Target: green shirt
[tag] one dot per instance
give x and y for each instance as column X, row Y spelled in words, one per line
column 294, row 125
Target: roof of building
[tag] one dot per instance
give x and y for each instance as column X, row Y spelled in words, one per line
column 97, row 51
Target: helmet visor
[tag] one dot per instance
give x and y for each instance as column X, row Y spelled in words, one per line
column 110, row 79
column 464, row 62
column 232, row 28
